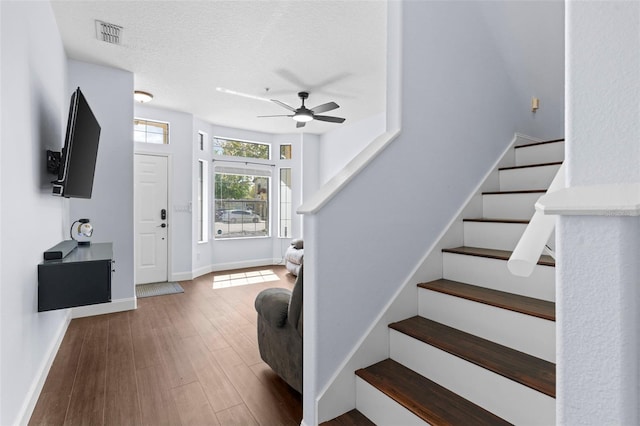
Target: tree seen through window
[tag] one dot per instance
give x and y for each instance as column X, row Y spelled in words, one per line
column 241, row 149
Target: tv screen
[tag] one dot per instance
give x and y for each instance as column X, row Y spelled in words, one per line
column 78, row 158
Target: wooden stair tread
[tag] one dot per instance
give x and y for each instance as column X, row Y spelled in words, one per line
column 513, row 302
column 539, row 143
column 426, row 399
column 350, row 418
column 555, row 163
column 518, row 366
column 544, row 260
column 520, row 191
column 496, row 220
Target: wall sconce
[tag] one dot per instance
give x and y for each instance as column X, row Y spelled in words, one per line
column 535, row 104
column 82, row 232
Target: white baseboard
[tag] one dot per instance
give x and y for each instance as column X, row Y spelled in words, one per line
column 521, row 139
column 245, row 264
column 36, row 387
column 117, row 305
column 186, row 276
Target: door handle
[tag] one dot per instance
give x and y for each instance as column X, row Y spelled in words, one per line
column 162, row 225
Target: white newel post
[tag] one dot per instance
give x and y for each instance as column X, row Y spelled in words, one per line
column 598, row 233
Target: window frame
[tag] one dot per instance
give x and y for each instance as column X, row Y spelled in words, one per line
column 288, row 204
column 203, row 201
column 284, row 146
column 217, row 236
column 166, row 131
column 217, row 154
column 202, row 140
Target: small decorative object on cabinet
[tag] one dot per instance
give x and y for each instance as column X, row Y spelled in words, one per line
column 82, row 232
column 82, row 277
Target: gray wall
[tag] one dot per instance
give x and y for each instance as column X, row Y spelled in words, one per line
column 341, row 145
column 530, row 40
column 34, row 104
column 108, row 92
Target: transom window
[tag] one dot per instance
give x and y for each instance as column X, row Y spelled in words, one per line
column 285, row 152
column 149, row 131
column 245, row 149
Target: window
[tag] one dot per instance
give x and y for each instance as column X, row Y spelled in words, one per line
column 148, row 131
column 285, row 152
column 201, row 139
column 203, row 202
column 244, row 149
column 284, row 229
column 241, row 206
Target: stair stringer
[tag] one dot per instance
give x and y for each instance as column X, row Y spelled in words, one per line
column 339, row 396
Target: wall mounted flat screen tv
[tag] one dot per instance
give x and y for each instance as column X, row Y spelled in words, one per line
column 77, row 161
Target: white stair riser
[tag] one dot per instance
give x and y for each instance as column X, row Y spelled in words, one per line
column 381, row 409
column 493, row 235
column 503, row 397
column 528, row 178
column 493, row 273
column 536, row 154
column 525, row 333
column 518, row 206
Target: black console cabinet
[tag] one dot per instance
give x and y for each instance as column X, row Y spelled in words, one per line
column 81, row 278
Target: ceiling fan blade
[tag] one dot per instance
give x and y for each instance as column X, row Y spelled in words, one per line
column 282, row 104
column 281, row 115
column 329, row 106
column 329, row 118
column 300, row 124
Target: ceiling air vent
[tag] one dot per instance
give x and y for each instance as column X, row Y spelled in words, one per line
column 109, row 33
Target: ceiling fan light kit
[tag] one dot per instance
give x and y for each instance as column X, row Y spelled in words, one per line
column 303, row 114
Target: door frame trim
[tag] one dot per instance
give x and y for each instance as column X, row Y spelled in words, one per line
column 169, row 158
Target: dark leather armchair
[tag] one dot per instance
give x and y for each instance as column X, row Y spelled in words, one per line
column 280, row 331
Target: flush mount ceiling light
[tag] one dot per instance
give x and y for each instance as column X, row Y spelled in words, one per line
column 142, row 97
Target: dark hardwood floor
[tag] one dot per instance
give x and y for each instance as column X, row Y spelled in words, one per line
column 185, row 359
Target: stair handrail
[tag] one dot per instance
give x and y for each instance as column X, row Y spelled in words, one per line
column 534, row 238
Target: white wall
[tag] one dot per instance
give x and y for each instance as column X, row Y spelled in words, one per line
column 598, row 273
column 34, row 104
column 339, row 146
column 109, row 94
column 460, row 111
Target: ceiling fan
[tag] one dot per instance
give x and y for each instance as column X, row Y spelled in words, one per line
column 303, row 114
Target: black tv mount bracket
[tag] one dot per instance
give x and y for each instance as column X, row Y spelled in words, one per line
column 53, row 161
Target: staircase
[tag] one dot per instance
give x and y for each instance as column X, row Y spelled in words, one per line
column 482, row 348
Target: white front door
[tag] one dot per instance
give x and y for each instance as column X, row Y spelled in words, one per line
column 151, row 218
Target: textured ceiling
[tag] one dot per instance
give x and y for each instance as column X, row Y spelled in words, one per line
column 181, row 51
